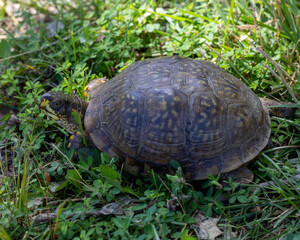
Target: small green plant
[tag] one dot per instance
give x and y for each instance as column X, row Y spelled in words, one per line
column 44, row 194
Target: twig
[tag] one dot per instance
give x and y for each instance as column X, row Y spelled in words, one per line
column 66, row 157
column 295, row 47
column 177, row 199
column 45, row 217
column 113, row 208
column 32, row 51
column 273, row 73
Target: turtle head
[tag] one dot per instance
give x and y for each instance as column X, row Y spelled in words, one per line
column 63, row 109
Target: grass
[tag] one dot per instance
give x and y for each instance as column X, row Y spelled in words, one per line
column 256, row 41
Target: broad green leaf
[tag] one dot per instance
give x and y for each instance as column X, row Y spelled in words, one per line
column 74, row 178
column 4, row 120
column 242, row 199
column 109, row 173
column 4, row 49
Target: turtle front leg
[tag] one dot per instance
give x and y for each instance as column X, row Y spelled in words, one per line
column 77, row 141
column 242, row 175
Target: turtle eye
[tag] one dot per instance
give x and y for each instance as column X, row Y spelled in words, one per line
column 57, row 104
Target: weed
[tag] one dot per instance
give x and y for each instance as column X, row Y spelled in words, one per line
column 45, row 195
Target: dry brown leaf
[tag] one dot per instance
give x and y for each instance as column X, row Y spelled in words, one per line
column 207, row 227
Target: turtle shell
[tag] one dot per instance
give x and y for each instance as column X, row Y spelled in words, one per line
column 176, row 108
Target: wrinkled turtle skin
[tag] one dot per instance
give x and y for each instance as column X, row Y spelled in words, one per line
column 176, row 108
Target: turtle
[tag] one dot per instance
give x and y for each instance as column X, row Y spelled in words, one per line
column 167, row 109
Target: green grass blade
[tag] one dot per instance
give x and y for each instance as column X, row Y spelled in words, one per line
column 198, row 16
column 3, row 234
column 172, row 16
column 220, row 11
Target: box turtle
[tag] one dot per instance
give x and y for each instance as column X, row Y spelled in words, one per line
column 169, row 108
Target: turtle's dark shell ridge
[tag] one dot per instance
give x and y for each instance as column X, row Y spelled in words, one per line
column 176, row 108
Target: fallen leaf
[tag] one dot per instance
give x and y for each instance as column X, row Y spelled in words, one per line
column 115, row 208
column 207, row 227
